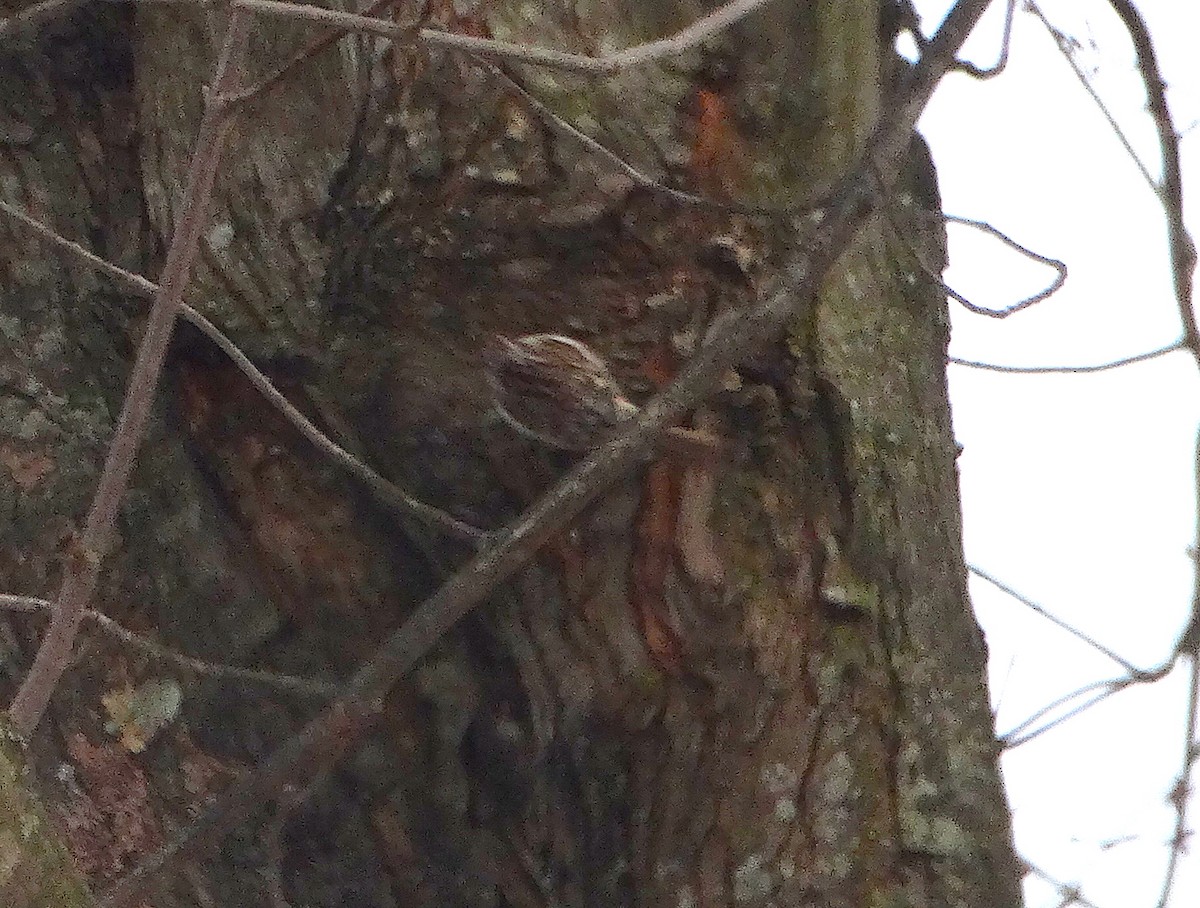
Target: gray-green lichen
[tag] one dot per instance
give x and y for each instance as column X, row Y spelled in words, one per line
column 35, row 869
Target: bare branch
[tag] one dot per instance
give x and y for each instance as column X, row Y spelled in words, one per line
column 1189, row 646
column 908, row 20
column 149, row 649
column 1069, row 370
column 1100, row 691
column 1183, row 263
column 1055, row 620
column 1068, row 893
column 1014, row 739
column 706, row 26
column 1181, row 792
column 83, row 569
column 733, row 338
column 135, row 283
column 1170, row 192
column 1066, row 46
column 718, row 20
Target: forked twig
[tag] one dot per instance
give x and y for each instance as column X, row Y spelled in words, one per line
column 1018, row 736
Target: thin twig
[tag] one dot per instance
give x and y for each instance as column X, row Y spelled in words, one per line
column 1170, row 191
column 400, row 33
column 385, row 491
column 1183, row 264
column 1059, row 266
column 735, row 336
column 149, row 649
column 1188, row 646
column 1068, row 370
column 978, row 72
column 553, row 120
column 135, row 283
column 1066, row 47
column 310, row 50
column 1068, row 893
column 716, row 21
column 1056, row 621
column 1181, row 792
column 817, row 197
column 83, row 567
column 1014, row 737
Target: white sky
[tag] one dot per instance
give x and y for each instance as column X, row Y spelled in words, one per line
column 1078, row 490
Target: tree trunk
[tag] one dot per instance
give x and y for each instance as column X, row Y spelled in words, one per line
column 35, row 869
column 752, row 677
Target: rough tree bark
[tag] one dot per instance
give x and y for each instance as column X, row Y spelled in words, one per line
column 756, row 681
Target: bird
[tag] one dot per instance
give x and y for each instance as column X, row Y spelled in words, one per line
column 555, row 390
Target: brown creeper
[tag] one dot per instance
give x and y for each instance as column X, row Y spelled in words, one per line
column 555, row 390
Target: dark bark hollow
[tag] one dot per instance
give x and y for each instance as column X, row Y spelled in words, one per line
column 750, row 680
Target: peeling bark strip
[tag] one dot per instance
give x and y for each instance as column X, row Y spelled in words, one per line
column 390, row 209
